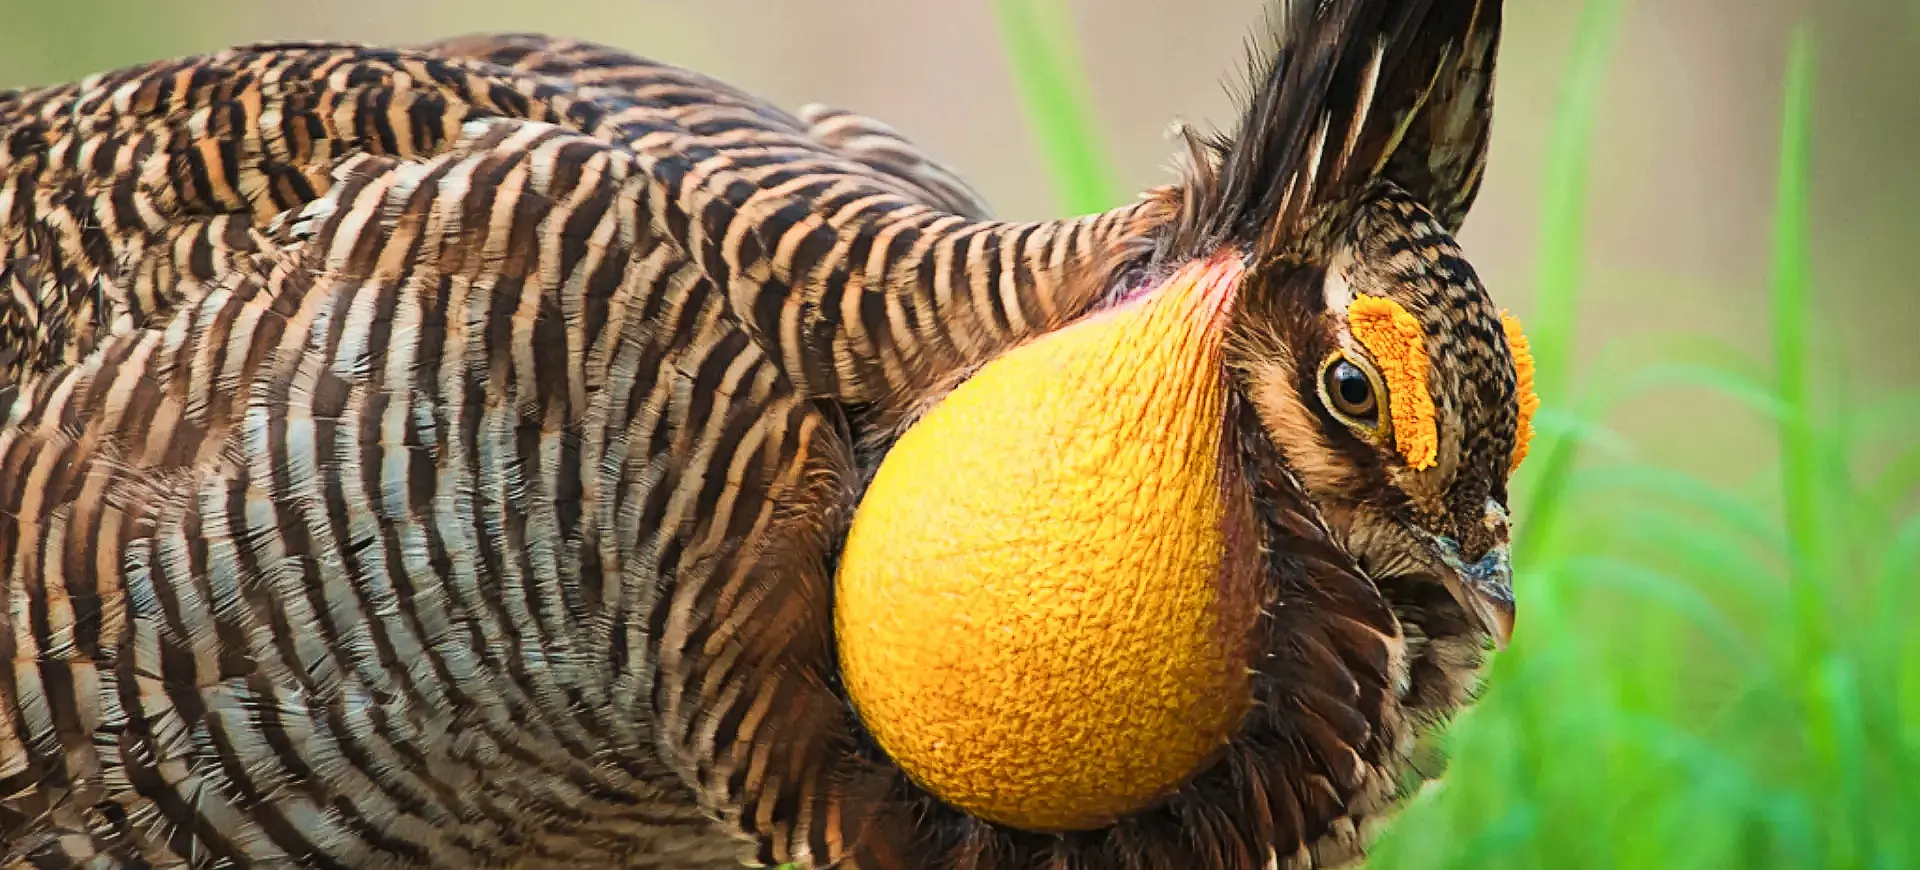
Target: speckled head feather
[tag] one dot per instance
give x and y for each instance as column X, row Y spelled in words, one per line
column 1398, row 250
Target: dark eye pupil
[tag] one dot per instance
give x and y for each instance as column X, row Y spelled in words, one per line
column 1354, row 389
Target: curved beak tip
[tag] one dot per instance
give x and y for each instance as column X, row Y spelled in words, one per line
column 1485, row 590
column 1496, row 614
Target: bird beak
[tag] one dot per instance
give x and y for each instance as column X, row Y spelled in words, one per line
column 1484, row 589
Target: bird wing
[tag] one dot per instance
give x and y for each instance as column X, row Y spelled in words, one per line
column 128, row 193
column 879, row 146
column 894, row 158
column 509, row 489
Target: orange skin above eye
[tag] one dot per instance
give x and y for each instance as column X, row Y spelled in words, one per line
column 1039, row 613
column 1394, row 338
column 1529, row 401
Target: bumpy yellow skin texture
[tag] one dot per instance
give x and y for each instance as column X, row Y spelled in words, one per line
column 1031, row 613
column 1399, row 349
column 1523, row 385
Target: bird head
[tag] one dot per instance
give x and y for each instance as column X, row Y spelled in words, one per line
column 1399, row 398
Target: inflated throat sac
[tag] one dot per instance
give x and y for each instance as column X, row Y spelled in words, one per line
column 1043, row 612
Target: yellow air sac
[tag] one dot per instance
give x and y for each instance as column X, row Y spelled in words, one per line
column 1035, row 613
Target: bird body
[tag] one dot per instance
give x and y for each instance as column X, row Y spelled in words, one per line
column 354, row 466
column 441, row 457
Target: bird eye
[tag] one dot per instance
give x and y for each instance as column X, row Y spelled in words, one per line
column 1350, row 392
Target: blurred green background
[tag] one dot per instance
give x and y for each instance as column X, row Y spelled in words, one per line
column 1720, row 547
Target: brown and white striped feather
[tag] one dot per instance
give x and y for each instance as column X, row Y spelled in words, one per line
column 435, row 521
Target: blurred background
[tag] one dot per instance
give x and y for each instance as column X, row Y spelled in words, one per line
column 1681, row 168
column 1714, row 666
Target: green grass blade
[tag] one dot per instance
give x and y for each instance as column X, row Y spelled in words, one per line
column 1646, row 485
column 1800, row 448
column 1564, row 198
column 1051, row 80
column 1756, row 396
column 1667, row 593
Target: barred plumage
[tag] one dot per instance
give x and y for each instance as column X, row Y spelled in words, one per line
column 435, row 457
column 472, row 440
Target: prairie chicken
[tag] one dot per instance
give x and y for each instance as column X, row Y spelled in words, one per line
column 510, row 452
